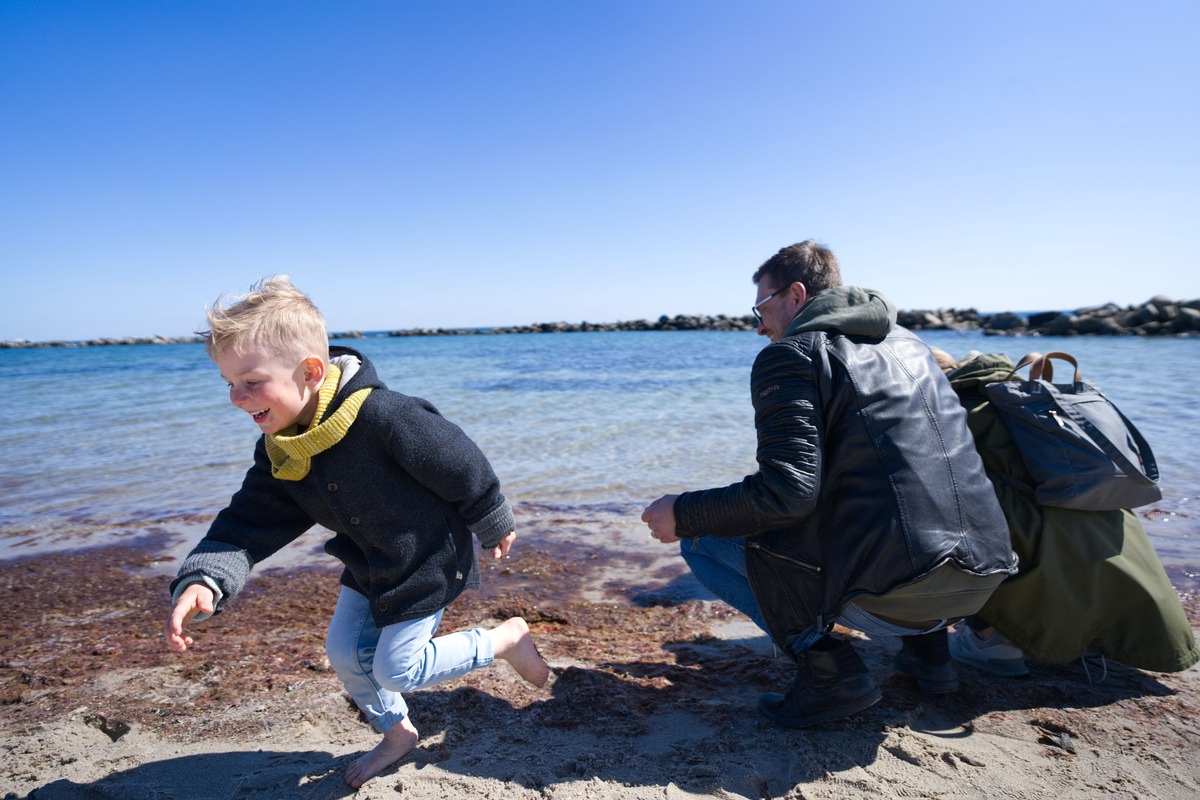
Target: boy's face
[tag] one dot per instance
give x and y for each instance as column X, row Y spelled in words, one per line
column 274, row 392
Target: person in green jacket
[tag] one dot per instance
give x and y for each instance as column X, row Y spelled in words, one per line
column 1088, row 581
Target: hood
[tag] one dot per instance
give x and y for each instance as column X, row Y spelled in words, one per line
column 849, row 310
column 357, row 373
column 979, row 371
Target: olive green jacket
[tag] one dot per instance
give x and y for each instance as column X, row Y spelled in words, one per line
column 1086, row 577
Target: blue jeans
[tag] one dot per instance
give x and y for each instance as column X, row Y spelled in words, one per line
column 720, row 564
column 376, row 665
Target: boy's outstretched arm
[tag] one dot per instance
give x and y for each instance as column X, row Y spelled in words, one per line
column 501, row 549
column 195, row 599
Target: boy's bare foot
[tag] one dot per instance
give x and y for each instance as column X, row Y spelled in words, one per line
column 511, row 641
column 397, row 743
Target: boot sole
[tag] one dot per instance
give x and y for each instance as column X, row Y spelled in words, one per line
column 817, row 717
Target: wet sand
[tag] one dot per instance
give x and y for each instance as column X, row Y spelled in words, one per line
column 646, row 700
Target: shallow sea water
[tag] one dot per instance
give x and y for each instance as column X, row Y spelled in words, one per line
column 106, row 443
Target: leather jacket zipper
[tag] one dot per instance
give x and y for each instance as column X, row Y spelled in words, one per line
column 813, row 568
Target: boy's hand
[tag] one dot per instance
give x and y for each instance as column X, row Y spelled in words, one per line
column 501, row 550
column 195, row 598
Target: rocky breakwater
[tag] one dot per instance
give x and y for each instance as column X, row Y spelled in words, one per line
column 1158, row 316
column 101, row 342
column 131, row 340
column 679, row 322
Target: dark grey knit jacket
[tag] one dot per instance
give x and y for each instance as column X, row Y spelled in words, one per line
column 403, row 492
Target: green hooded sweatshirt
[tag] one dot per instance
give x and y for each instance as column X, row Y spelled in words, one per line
column 849, row 309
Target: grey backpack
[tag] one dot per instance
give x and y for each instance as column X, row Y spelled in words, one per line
column 1081, row 451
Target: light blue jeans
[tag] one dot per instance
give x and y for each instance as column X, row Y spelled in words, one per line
column 377, row 664
column 720, row 564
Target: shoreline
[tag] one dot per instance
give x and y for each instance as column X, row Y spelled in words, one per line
column 652, row 695
column 1158, row 316
column 604, row 533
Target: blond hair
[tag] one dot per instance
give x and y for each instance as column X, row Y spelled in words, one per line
column 274, row 316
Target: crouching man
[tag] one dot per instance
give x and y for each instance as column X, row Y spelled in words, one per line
column 870, row 507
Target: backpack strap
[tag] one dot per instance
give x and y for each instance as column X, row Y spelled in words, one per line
column 1009, row 480
column 1030, row 358
column 1043, row 367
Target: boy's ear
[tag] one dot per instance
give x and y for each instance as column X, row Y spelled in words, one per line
column 314, row 371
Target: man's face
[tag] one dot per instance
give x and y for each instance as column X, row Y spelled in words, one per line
column 777, row 308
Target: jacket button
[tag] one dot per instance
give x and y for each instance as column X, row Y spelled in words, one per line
column 332, row 487
column 383, row 607
column 354, row 520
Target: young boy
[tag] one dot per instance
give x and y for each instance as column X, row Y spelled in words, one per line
column 402, row 489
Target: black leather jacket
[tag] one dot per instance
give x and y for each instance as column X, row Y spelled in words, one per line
column 868, row 476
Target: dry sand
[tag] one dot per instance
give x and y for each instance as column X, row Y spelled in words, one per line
column 644, row 702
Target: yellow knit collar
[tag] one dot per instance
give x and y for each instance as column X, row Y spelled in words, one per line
column 291, row 452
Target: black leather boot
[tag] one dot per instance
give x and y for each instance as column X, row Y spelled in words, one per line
column 927, row 659
column 831, row 682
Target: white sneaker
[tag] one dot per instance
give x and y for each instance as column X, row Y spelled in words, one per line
column 996, row 654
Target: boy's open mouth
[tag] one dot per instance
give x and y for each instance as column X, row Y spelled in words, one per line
column 260, row 415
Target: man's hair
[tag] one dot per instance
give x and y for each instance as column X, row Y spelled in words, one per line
column 812, row 264
column 274, row 316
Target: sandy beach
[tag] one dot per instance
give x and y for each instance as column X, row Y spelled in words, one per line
column 652, row 696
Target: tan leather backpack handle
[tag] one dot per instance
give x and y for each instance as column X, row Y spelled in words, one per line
column 1045, row 370
column 1032, row 358
column 1041, row 368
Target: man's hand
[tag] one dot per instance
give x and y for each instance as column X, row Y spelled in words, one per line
column 195, row 598
column 501, row 550
column 659, row 516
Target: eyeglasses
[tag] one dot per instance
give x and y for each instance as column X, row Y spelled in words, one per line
column 754, row 309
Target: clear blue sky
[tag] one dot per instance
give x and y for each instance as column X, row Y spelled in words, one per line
column 471, row 163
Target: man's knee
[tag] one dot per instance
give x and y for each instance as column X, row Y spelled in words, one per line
column 727, row 552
